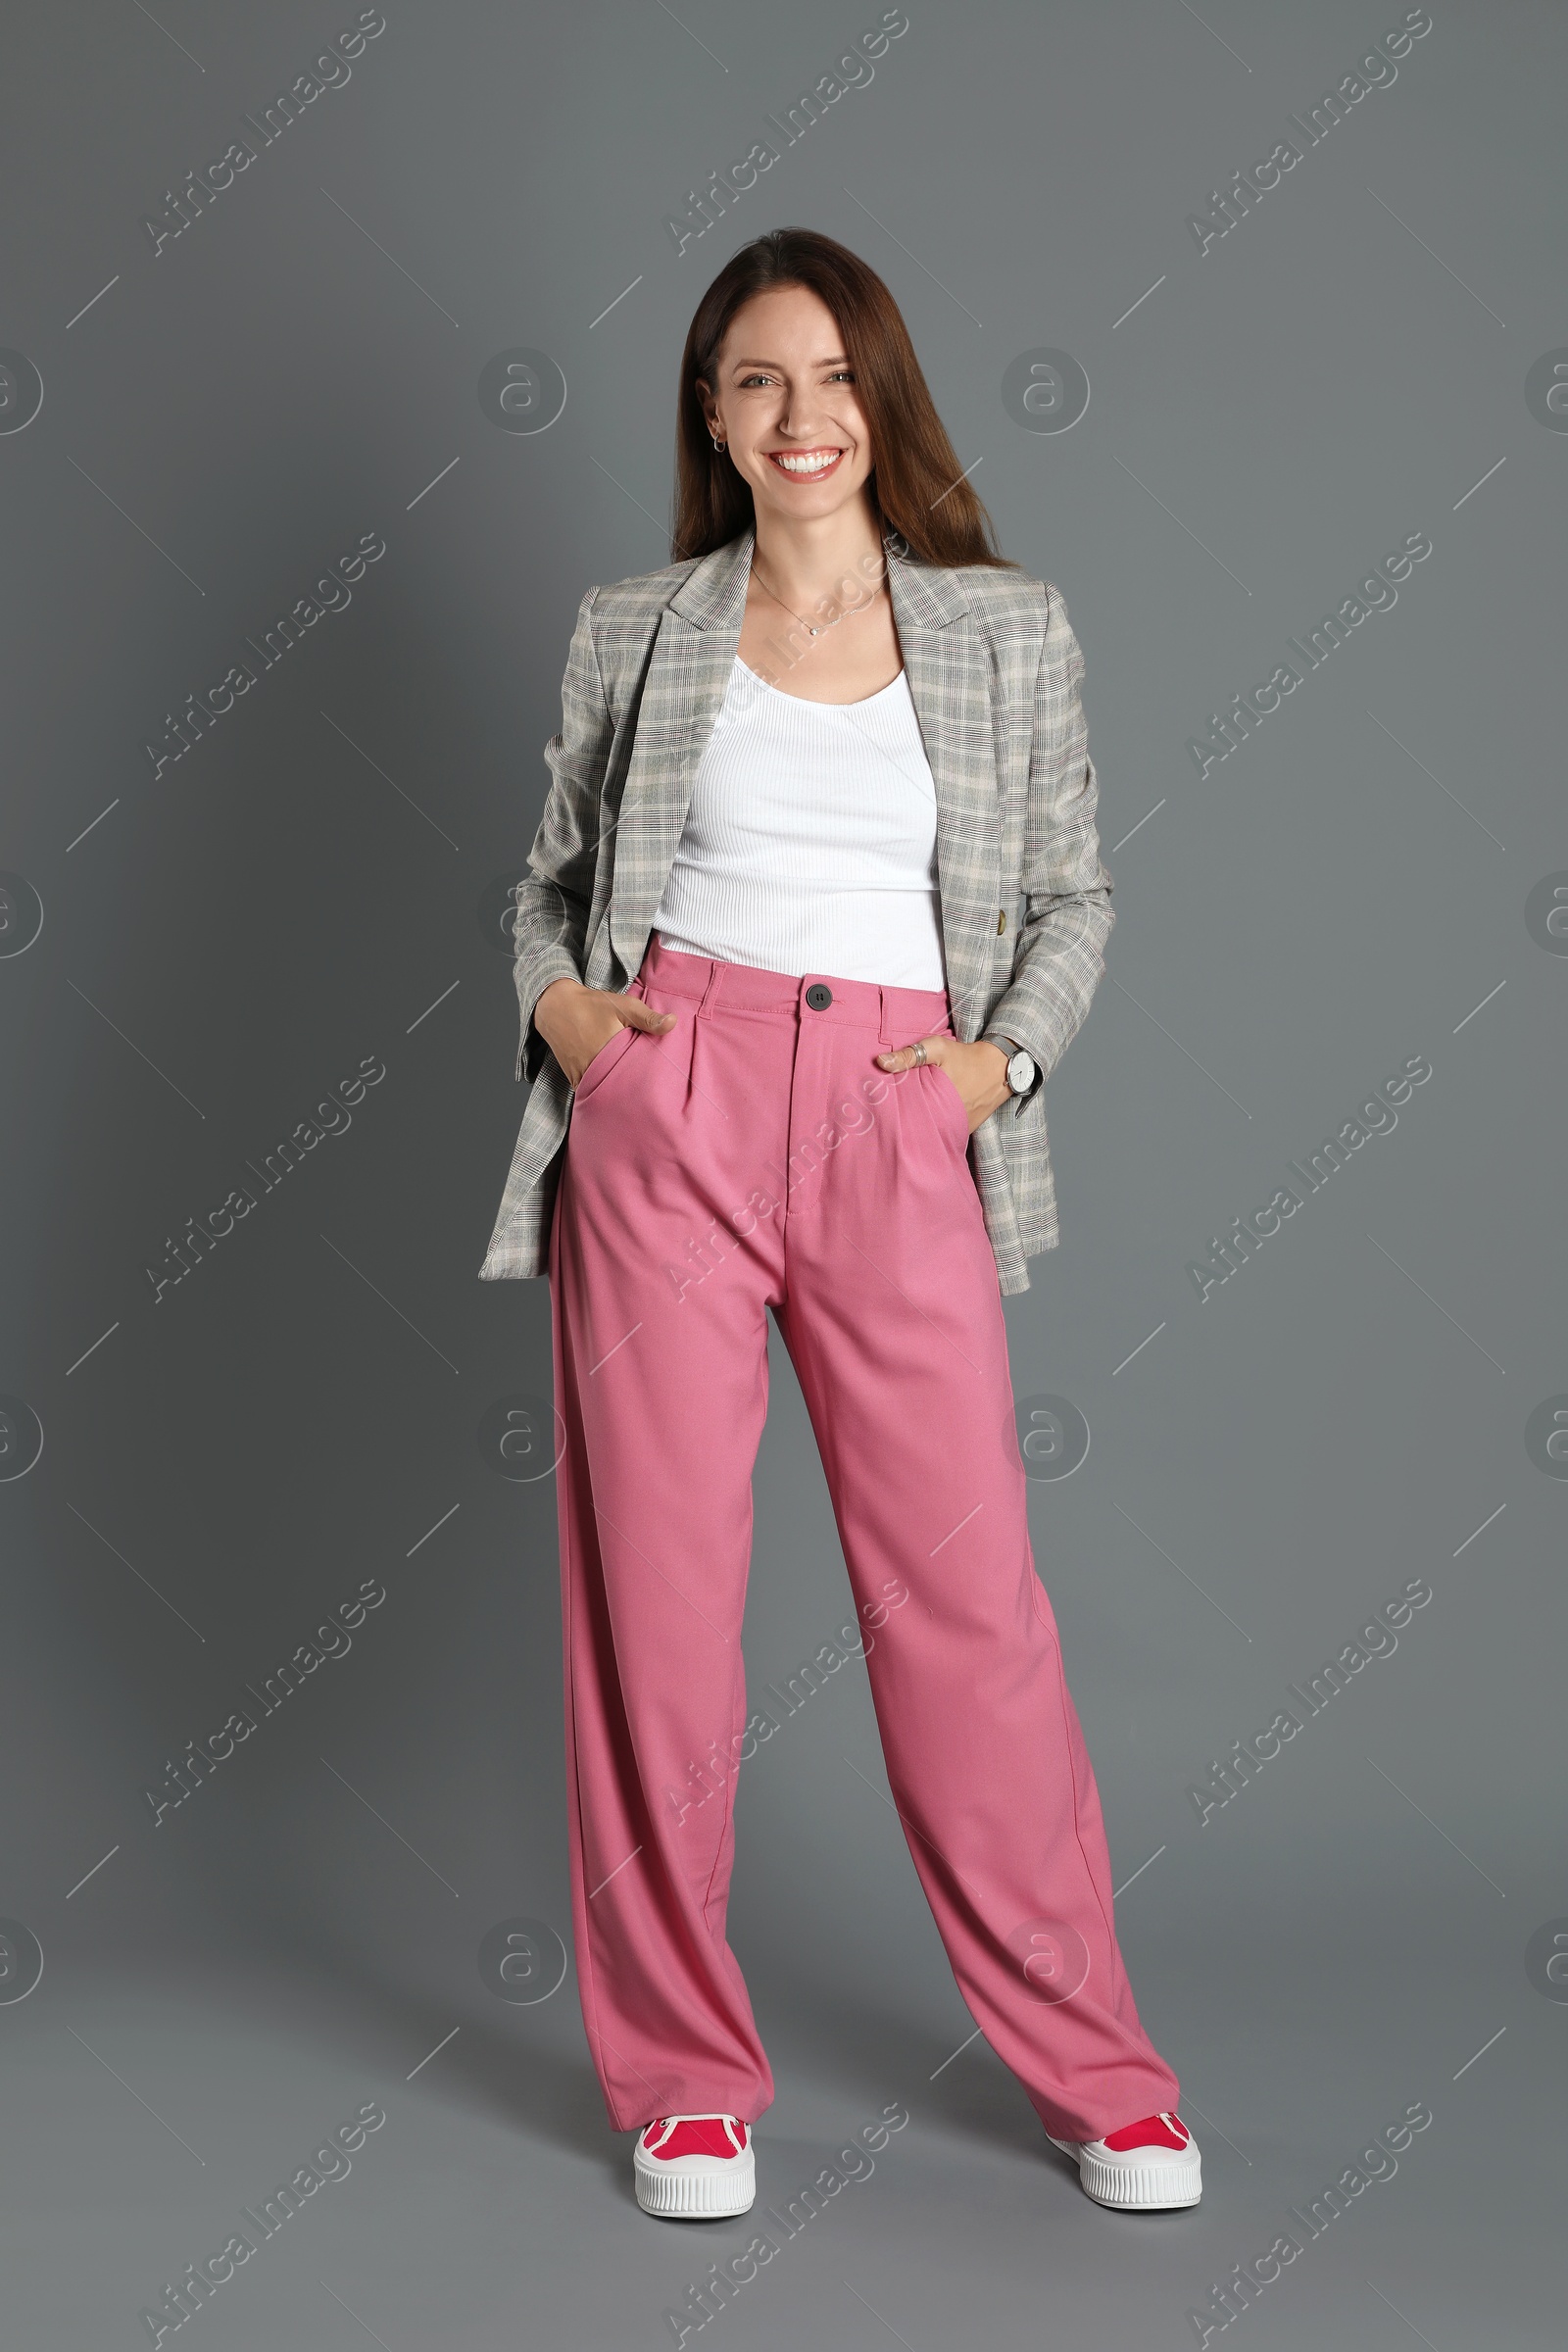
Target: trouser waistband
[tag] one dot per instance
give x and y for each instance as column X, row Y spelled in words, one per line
column 898, row 1014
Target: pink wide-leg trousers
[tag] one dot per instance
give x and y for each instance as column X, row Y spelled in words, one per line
column 754, row 1156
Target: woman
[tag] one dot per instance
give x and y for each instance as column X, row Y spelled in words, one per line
column 815, row 908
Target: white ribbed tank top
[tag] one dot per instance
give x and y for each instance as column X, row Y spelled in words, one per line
column 810, row 845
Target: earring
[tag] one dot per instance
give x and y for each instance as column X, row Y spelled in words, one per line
column 718, row 445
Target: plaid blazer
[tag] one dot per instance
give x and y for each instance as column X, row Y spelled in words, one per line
column 994, row 671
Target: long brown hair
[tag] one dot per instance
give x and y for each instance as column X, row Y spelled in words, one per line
column 914, row 485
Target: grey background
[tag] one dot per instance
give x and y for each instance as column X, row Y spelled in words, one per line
column 303, row 888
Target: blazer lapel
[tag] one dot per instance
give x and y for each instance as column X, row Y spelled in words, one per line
column 693, row 652
column 950, row 684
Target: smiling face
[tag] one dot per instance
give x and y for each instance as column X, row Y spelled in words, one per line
column 783, row 396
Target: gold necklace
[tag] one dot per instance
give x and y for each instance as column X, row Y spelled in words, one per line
column 805, row 623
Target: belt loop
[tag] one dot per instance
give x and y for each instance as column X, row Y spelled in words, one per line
column 710, row 985
column 887, row 1034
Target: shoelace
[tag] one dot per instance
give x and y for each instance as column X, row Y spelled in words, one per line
column 665, row 2125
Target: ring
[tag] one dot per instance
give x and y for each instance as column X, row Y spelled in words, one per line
column 919, row 1051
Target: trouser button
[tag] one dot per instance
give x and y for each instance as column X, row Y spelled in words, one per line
column 819, row 996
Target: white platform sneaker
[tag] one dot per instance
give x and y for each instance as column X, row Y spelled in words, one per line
column 1148, row 2166
column 695, row 2167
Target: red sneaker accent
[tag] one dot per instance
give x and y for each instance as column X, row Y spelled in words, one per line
column 720, row 2136
column 1154, row 2131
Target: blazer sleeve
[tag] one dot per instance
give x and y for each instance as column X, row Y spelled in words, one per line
column 556, row 894
column 1067, row 920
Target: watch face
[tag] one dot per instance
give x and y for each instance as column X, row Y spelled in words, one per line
column 1022, row 1073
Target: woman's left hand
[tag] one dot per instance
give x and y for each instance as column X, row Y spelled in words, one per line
column 978, row 1072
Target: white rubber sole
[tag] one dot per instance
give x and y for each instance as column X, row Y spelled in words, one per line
column 1163, row 2187
column 668, row 2190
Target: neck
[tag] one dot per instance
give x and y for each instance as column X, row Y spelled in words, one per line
column 838, row 556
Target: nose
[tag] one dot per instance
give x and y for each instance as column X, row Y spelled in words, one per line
column 802, row 417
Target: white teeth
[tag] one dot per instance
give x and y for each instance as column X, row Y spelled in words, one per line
column 807, row 464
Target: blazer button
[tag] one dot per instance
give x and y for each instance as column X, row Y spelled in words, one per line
column 1002, row 920
column 819, row 996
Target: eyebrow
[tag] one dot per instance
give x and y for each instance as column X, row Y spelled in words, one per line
column 839, row 360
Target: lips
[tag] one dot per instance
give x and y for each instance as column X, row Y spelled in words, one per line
column 821, row 462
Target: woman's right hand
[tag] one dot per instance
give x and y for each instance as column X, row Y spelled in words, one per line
column 577, row 1022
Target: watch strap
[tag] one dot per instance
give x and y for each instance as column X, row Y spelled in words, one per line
column 1012, row 1045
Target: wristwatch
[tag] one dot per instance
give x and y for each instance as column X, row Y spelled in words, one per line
column 1022, row 1069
